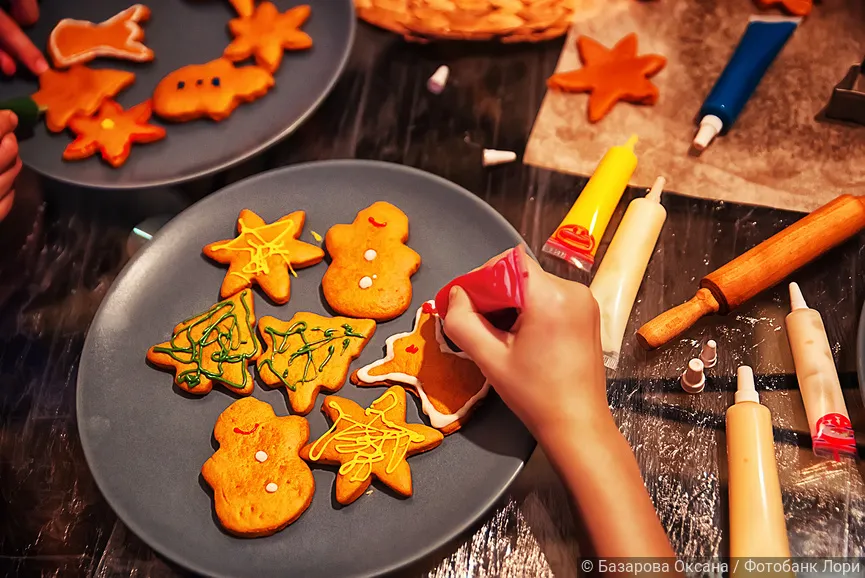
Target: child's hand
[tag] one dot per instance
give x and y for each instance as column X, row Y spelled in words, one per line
column 14, row 44
column 549, row 368
column 10, row 162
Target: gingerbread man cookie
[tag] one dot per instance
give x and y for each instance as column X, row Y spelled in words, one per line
column 448, row 383
column 370, row 275
column 267, row 33
column 216, row 345
column 79, row 41
column 260, row 484
column 112, row 132
column 210, row 90
column 264, row 254
column 77, row 91
column 370, row 442
column 308, row 353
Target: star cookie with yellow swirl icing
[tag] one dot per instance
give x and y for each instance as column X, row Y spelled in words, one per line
column 370, row 442
column 264, row 253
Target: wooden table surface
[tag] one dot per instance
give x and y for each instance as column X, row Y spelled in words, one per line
column 61, row 248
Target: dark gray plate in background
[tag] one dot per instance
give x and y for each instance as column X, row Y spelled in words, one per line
column 145, row 443
column 185, row 32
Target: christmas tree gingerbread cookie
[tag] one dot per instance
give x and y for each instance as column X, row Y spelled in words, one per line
column 448, row 383
column 370, row 442
column 260, row 484
column 370, row 275
column 308, row 353
column 265, row 254
column 215, row 346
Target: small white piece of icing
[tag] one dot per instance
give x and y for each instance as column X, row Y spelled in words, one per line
column 370, row 254
column 260, row 455
column 365, row 283
column 271, row 487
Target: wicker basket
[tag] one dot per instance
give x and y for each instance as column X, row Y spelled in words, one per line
column 502, row 20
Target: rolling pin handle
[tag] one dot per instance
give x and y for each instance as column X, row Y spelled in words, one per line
column 677, row 320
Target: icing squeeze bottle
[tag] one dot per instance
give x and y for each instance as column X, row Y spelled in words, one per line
column 576, row 239
column 757, row 526
column 831, row 431
column 620, row 274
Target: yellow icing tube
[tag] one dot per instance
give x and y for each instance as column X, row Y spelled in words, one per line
column 620, row 274
column 577, row 238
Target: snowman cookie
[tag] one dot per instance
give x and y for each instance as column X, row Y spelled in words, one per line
column 260, row 484
column 370, row 275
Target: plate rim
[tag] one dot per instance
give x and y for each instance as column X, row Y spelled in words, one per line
column 247, row 155
column 416, row 555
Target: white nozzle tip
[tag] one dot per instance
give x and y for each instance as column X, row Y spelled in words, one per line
column 710, row 126
column 797, row 300
column 654, row 193
column 709, row 354
column 746, row 390
column 693, row 380
column 494, row 157
column 436, row 83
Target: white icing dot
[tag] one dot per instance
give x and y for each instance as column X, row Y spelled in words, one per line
column 271, row 487
column 370, row 254
column 375, row 276
column 260, row 455
column 365, row 283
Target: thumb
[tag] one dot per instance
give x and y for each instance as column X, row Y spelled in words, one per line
column 483, row 343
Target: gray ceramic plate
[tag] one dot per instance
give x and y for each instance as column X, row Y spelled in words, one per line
column 185, row 32
column 145, row 443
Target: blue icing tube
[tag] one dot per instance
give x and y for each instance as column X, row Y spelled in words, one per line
column 764, row 38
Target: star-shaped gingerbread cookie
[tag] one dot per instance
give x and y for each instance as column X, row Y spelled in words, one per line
column 448, row 383
column 795, row 7
column 370, row 442
column 267, row 33
column 308, row 353
column 611, row 75
column 112, row 132
column 77, row 90
column 264, row 253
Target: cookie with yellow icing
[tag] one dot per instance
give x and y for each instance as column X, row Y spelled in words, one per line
column 266, row 254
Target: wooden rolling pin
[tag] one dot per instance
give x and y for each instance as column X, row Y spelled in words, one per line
column 760, row 268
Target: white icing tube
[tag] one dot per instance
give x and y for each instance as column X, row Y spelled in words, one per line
column 620, row 274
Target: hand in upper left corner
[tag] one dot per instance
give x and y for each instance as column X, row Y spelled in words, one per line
column 15, row 46
column 10, row 162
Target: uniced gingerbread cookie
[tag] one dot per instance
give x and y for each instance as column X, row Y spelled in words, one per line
column 260, row 484
column 370, row 442
column 370, row 274
column 265, row 254
column 308, row 353
column 214, row 346
column 448, row 383
column 267, row 33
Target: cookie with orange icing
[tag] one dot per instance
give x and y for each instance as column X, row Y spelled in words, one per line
column 211, row 90
column 267, row 33
column 370, row 274
column 448, row 383
column 78, row 90
column 371, row 442
column 111, row 132
column 79, row 41
column 260, row 484
column 265, row 254
column 309, row 353
column 215, row 346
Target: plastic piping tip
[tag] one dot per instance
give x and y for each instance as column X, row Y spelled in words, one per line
column 797, row 300
column 632, row 142
column 493, row 157
column 436, row 83
column 693, row 379
column 746, row 389
column 710, row 126
column 709, row 354
column 654, row 193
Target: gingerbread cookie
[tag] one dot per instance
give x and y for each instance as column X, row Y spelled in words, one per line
column 370, row 275
column 77, row 91
column 244, row 8
column 112, row 132
column 213, row 90
column 79, row 41
column 448, row 383
column 216, row 345
column 309, row 353
column 795, row 7
column 611, row 75
column 267, row 33
column 264, row 254
column 260, row 484
column 370, row 442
